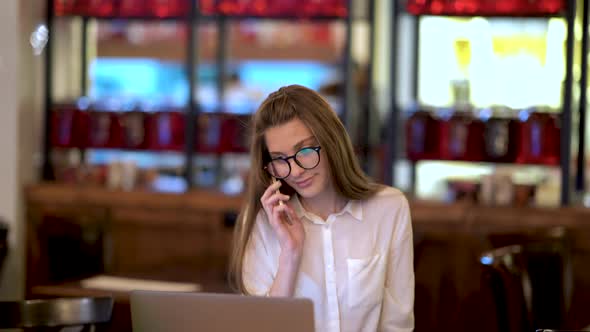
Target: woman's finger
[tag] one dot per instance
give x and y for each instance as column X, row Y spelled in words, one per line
column 277, row 222
column 285, row 214
column 274, row 199
column 292, row 214
column 270, row 190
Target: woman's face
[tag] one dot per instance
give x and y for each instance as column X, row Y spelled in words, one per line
column 286, row 140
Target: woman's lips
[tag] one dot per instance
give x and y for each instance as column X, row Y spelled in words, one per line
column 305, row 183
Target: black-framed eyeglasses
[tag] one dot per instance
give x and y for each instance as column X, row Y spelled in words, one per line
column 306, row 158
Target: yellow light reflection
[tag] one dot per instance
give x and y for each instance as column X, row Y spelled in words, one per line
column 506, row 62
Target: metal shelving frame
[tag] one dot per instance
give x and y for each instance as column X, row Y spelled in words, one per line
column 392, row 154
column 193, row 19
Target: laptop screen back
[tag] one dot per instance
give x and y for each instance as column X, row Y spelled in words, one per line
column 153, row 311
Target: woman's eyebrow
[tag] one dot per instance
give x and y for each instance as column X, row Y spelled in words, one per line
column 296, row 147
column 303, row 142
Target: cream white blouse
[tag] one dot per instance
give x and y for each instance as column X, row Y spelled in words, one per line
column 357, row 266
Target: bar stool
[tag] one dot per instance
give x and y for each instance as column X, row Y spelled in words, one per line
column 531, row 282
column 58, row 314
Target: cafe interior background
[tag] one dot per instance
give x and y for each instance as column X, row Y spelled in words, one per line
column 475, row 109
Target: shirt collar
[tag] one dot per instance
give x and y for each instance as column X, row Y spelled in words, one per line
column 353, row 207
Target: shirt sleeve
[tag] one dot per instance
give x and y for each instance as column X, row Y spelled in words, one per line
column 257, row 270
column 398, row 299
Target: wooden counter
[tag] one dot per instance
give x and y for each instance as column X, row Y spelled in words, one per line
column 125, row 232
column 424, row 213
column 468, row 216
column 144, row 233
column 56, row 194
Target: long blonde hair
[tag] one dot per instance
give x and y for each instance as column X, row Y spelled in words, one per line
column 279, row 107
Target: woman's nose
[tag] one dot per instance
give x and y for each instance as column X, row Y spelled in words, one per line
column 296, row 170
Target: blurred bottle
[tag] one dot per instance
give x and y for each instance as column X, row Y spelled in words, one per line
column 282, row 8
column 169, row 8
column 462, row 7
column 207, row 7
column 500, row 135
column 503, row 189
column 209, row 139
column 133, row 126
column 461, row 86
column 461, row 137
column 268, row 8
column 63, row 124
column 235, row 129
column 114, row 180
column 232, row 182
column 133, row 8
column 206, row 170
column 233, row 7
column 105, row 130
column 67, row 166
column 166, row 130
column 258, row 8
column 417, row 7
column 486, row 7
column 422, row 134
column 461, row 92
column 547, row 193
column 129, row 175
column 64, row 7
column 329, row 8
column 231, row 137
column 501, row 7
column 101, row 8
column 538, row 138
column 545, row 7
column 95, row 8
column 338, row 8
column 311, row 8
column 435, row 7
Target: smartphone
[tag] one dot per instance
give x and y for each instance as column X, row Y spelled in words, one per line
column 288, row 218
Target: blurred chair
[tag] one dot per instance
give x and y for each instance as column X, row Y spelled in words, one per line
column 531, row 281
column 60, row 314
column 449, row 283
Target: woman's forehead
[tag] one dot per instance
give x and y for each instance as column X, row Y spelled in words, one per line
column 286, row 137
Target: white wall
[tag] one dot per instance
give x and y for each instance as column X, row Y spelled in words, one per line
column 20, row 118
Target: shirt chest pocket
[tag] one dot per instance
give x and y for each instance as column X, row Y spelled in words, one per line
column 366, row 280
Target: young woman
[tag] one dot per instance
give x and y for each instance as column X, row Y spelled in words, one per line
column 324, row 231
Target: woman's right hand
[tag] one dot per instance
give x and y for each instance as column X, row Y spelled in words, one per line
column 291, row 236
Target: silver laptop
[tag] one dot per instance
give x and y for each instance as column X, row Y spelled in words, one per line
column 154, row 311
